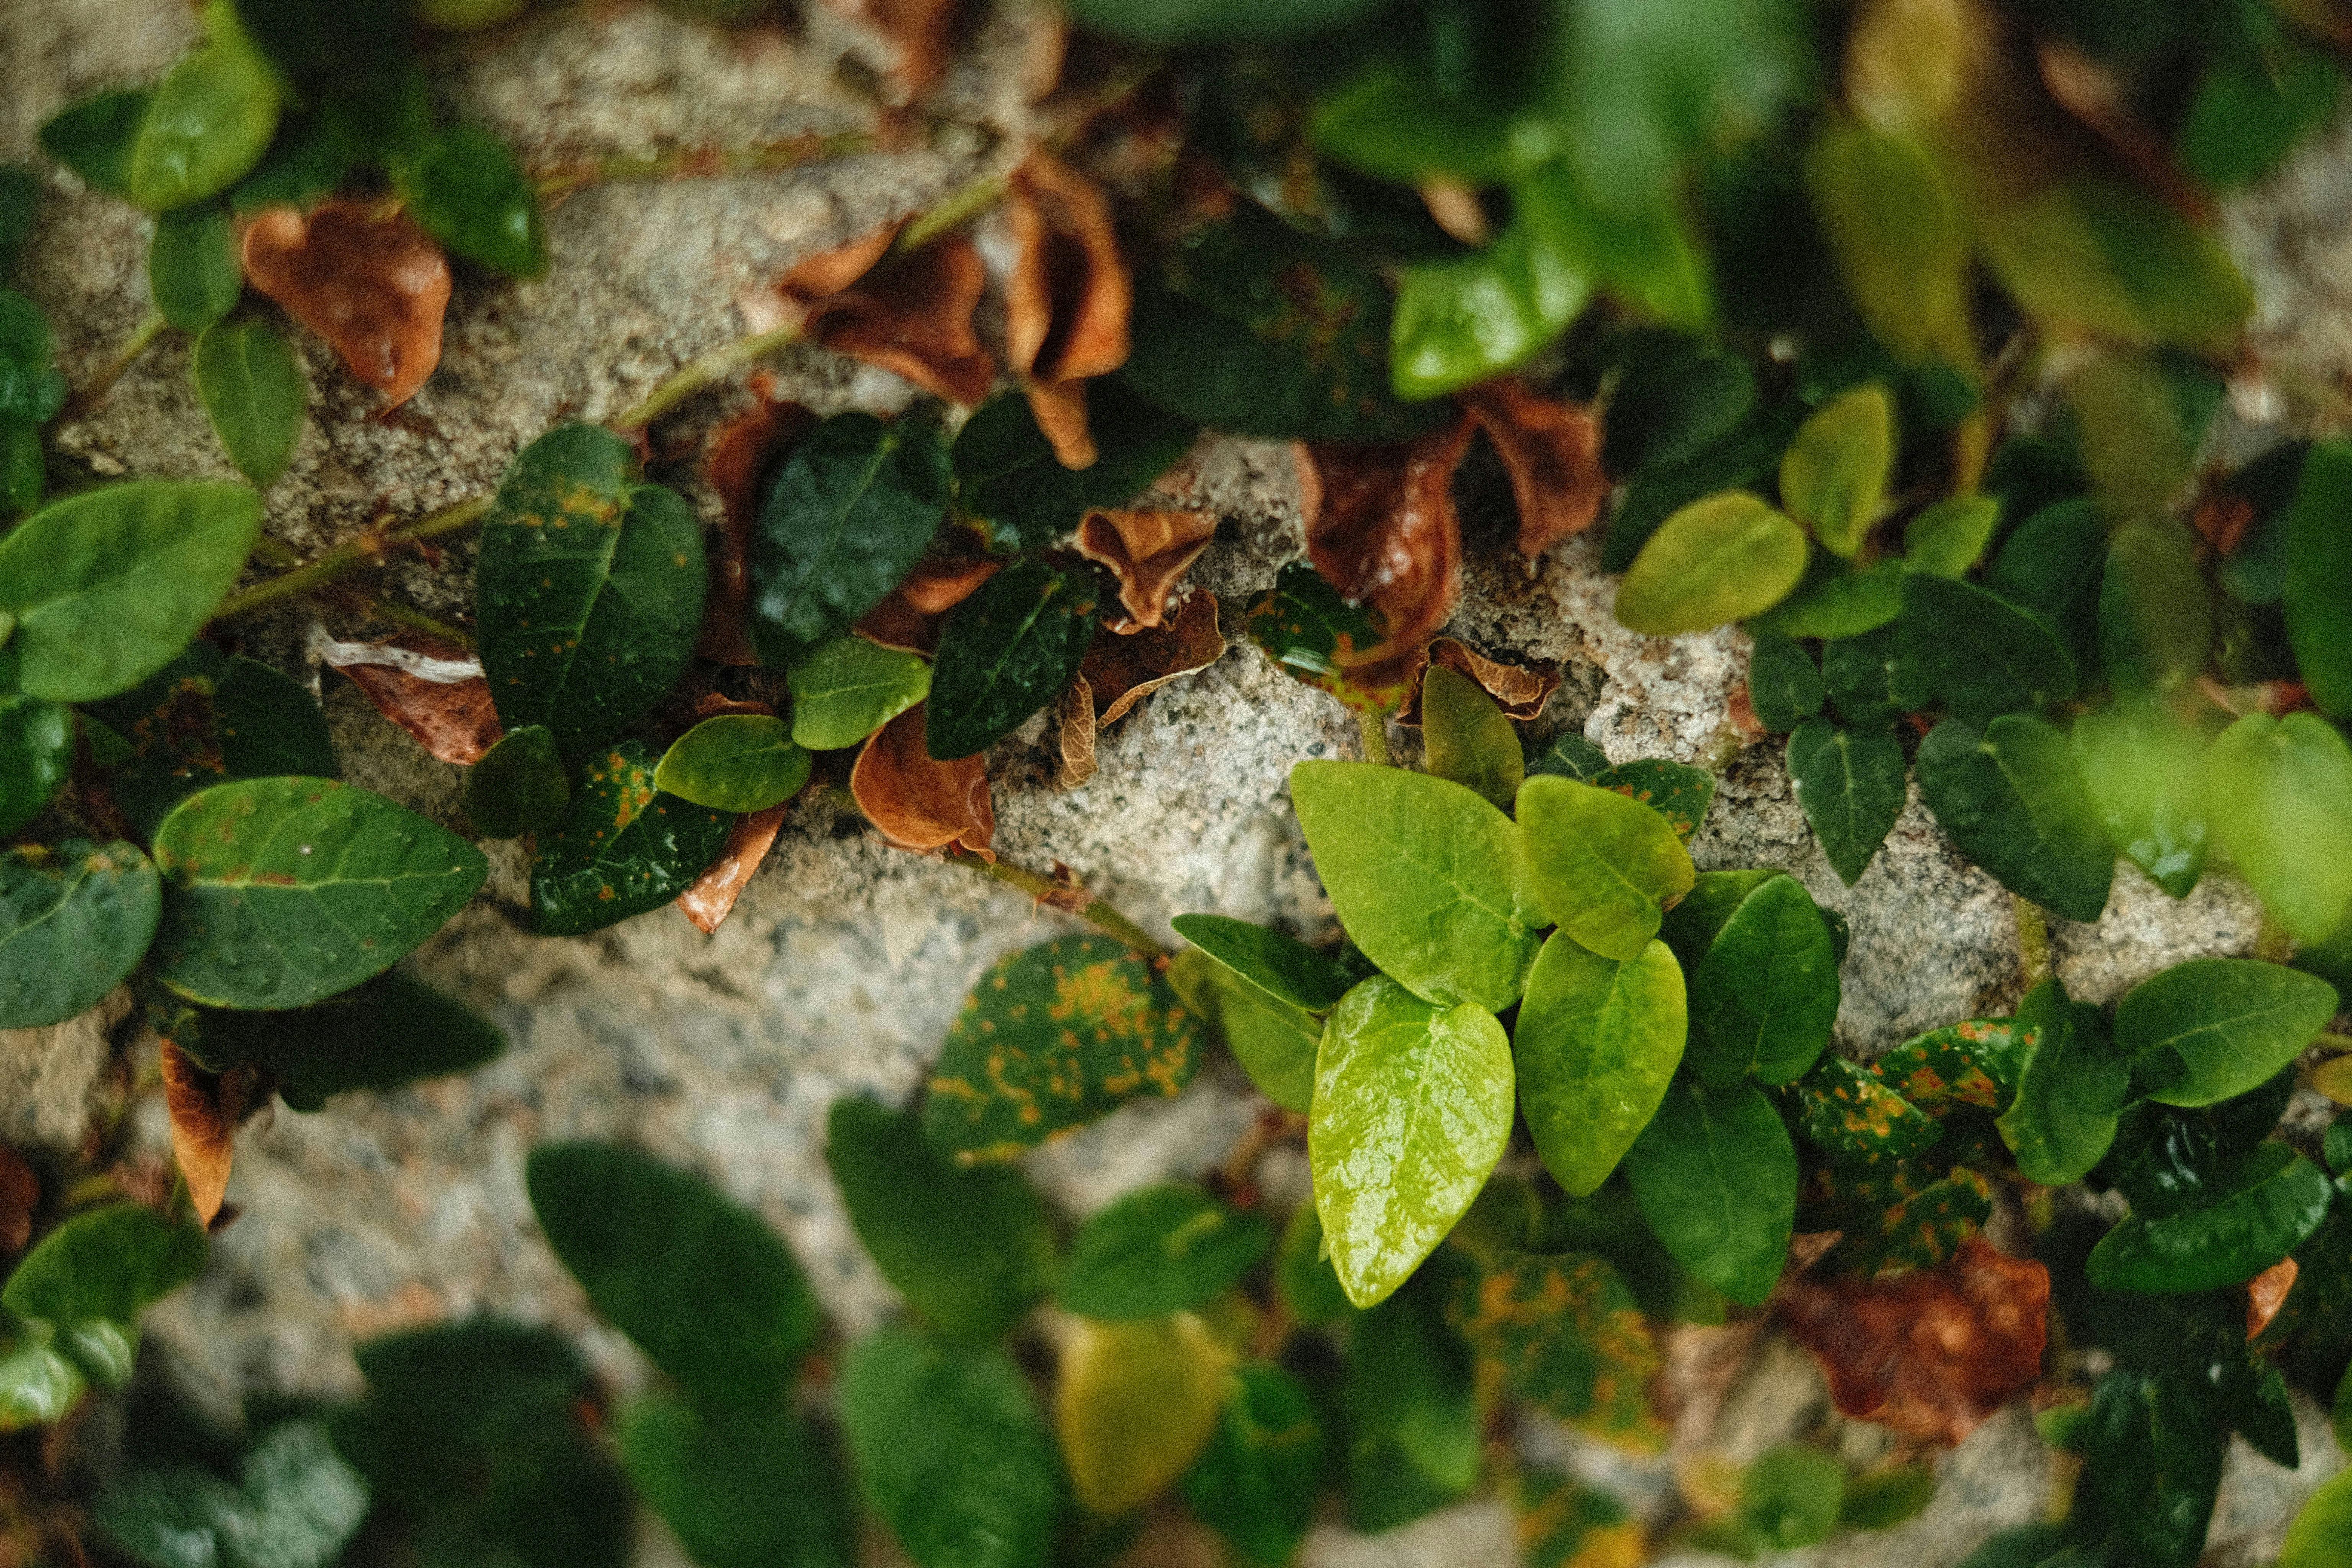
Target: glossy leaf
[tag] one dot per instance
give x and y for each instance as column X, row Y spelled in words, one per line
column 2318, row 588
column 38, row 1386
column 2259, row 1208
column 464, row 188
column 209, row 122
column 206, row 718
column 1949, row 537
column 1675, row 791
column 972, row 1249
column 111, row 1262
column 253, row 392
column 2144, row 771
column 1850, row 1113
column 848, row 688
column 1282, row 966
column 1784, row 684
column 1426, row 877
column 1135, row 1404
column 1256, row 1483
column 1565, row 1334
column 1007, row 651
column 107, row 585
column 74, row 922
column 699, row 1282
column 2287, row 825
column 518, row 785
column 736, row 762
column 623, row 848
column 1597, row 1042
column 193, row 270
column 1468, row 739
column 2010, row 800
column 1468, row 319
column 1716, row 1176
column 1053, row 1036
column 755, row 1489
column 2068, row 1093
column 36, row 757
column 1763, row 1001
column 1985, row 658
column 1834, row 476
column 1719, row 560
column 2213, row 1028
column 588, row 588
column 1599, row 862
column 1313, row 634
column 1850, row 784
column 1160, row 1249
column 1392, row 1173
column 94, row 138
column 1009, row 478
column 2152, row 1465
column 392, row 1031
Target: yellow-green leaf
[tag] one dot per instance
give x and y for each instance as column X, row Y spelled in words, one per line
column 1469, row 739
column 1720, row 559
column 1597, row 1043
column 1833, row 475
column 1134, row 1405
column 1601, row 863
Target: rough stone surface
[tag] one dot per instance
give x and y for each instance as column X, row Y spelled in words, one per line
column 841, row 968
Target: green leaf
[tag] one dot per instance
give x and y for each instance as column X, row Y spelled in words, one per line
column 1394, row 1171
column 699, row 1282
column 846, row 520
column 1469, row 741
column 1834, row 476
column 1468, row 319
column 20, row 210
column 1599, row 862
column 1987, row 658
column 280, row 893
column 2011, row 802
column 2151, row 1468
column 972, row 1249
column 1053, row 1037
column 1565, row 1334
column 1303, row 1277
column 951, row 1451
column 305, row 164
column 2259, row 1207
column 74, row 922
column 2156, row 609
column 1596, row 1043
column 1849, row 784
column 1837, row 599
column 1256, row 1483
column 1747, row 454
column 23, row 473
column 754, row 1490
column 518, row 785
column 37, row 756
column 1877, row 677
column 2285, row 786
column 1254, row 328
column 625, row 848
column 2144, row 771
column 1849, row 1114
column 736, row 762
column 1316, row 635
column 392, row 1031
column 1571, row 756
column 1784, row 684
column 1426, row 877
column 1715, row 1178
column 2068, row 1093
column 2107, row 258
column 112, row 1262
column 253, row 392
column 1675, row 791
column 193, row 269
column 588, row 589
column 2252, row 107
column 211, row 119
column 1883, row 1497
column 1949, row 538
column 1692, row 925
column 296, row 1506
column 204, row 719
column 1157, row 1250
column 2319, row 578
column 1899, row 240
column 1718, row 559
column 1273, row 1041
column 2321, row 1535
column 1163, row 23
column 107, row 585
column 2032, row 1546
column 464, row 189
column 1281, row 966
column 1564, row 1522
column 1411, row 1401
column 1763, row 1001
column 1394, row 119
column 1007, row 651
column 2213, row 1028
column 1134, row 1405
column 848, row 688
column 38, row 1386
column 94, row 138
column 1793, row 1494
column 1009, row 478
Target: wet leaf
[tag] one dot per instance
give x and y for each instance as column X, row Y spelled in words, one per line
column 210, row 119
column 2013, row 802
column 1393, row 1173
column 373, row 284
column 1427, row 877
column 2107, row 259
column 518, row 786
column 112, row 1262
column 1066, row 299
column 203, row 1130
column 700, row 1283
column 589, row 589
column 1552, row 451
column 280, row 893
column 1010, row 480
column 74, row 922
column 1784, row 684
column 846, row 519
column 623, row 848
column 1565, row 1334
column 1135, row 1404
column 2153, row 1454
column 205, row 717
column 1850, row 1113
column 464, row 188
column 1834, row 476
column 1285, row 969
column 1381, row 529
column 847, row 688
column 36, row 757
column 2287, row 783
column 2318, row 589
column 1599, row 862
column 736, row 762
column 1899, row 240
column 1468, row 740
column 38, row 1386
column 1721, row 559
column 1763, row 1001
column 2258, row 1208
column 912, row 315
column 1053, row 1036
column 1007, row 650
column 1715, row 1178
column 916, row 802
column 1256, row 1484
column 256, row 395
column 1316, row 636
column 2213, row 1028
column 1597, row 1042
column 1467, row 319
column 1160, row 1249
column 94, row 138
column 437, row 694
column 742, row 1491
column 1147, row 551
column 952, row 1450
column 2069, row 1091
column 107, row 585
column 193, row 272
column 391, row 1031
column 1675, row 791
column 1850, row 782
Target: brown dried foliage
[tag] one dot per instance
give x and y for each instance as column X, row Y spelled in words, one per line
column 1929, row 1354
column 1124, row 670
column 1075, row 724
column 918, row 802
column 910, row 619
column 203, row 1130
column 373, row 284
column 1067, row 299
column 1519, row 690
column 1380, row 527
column 743, row 453
column 1147, row 551
column 20, row 1194
column 2266, row 1293
column 712, row 897
column 912, row 316
column 1553, row 450
column 921, row 31
column 435, row 692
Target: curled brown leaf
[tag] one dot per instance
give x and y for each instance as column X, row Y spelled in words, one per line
column 743, row 453
column 372, row 283
column 1932, row 1353
column 1075, row 726
column 436, row 693
column 919, row 32
column 1068, row 298
column 1121, row 670
column 912, row 317
column 2266, row 1293
column 909, row 618
column 1147, row 551
column 918, row 802
column 20, row 1194
column 1551, row 449
column 712, row 897
column 203, row 1130
column 1381, row 529
column 1519, row 690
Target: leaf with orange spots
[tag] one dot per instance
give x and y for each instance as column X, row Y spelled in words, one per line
column 1564, row 1523
column 434, row 692
column 1564, row 1333
column 1675, row 791
column 1066, row 300
column 1551, row 450
column 1380, row 527
column 1053, row 1036
column 203, row 1133
column 371, row 282
column 1147, row 551
column 918, row 802
column 206, row 717
column 1908, row 1217
column 910, row 314
column 1854, row 1119
column 1316, row 636
column 1121, row 671
column 625, row 848
column 1933, row 1352
column 1976, row 1062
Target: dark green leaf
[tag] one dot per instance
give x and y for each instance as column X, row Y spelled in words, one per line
column 1784, row 684
column 1849, row 1113
column 280, row 893
column 1763, row 1001
column 2258, row 1208
column 313, row 38
column 1255, row 1483
column 1052, row 1038
column 1690, row 927
column 699, row 1282
column 1007, row 651
column 1596, row 1043
column 1985, row 658
column 210, row 121
column 303, row 165
column 1282, row 966
column 296, row 1505
column 1162, row 22
column 2285, row 786
column 1565, row 1336
column 465, row 188
column 94, row 138
column 588, row 589
column 1410, row 1392
column 1303, row 1277
column 2011, row 802
column 1716, row 1176
column 207, row 718
column 1571, row 756
column 1157, row 1250
column 2144, row 771
column 1394, row 120
column 1741, row 459
column 2151, row 1468
column 37, row 756
column 1010, row 480
column 389, row 1032
column 2068, row 1093
column 20, row 209
column 112, row 1263
column 848, row 688
column 193, row 270
column 2214, row 1028
column 2032, row 1546
column 972, row 1249
column 1877, row 677
column 24, row 468
column 1836, row 599
column 625, row 848
column 73, row 921
column 2319, row 578
column 1850, row 784
column 518, row 785
column 2252, row 107
column 1675, row 791
column 761, row 1489
column 736, row 762
column 253, row 392
column 1304, row 626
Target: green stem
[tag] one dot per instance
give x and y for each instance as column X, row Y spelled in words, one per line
column 90, row 396
column 1374, row 729
column 2032, row 941
column 711, row 368
column 959, row 209
column 2272, row 942
column 790, row 153
column 1044, row 889
column 366, row 547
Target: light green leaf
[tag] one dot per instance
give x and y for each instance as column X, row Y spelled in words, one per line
column 1161, row 1249
column 210, row 121
column 2321, row 1535
column 38, row 1386
column 2213, row 1028
column 2156, row 609
column 2068, row 1097
column 1899, row 241
column 1792, row 1496
column 848, row 688
column 2144, row 771
column 74, row 922
column 1833, row 475
column 2107, row 258
column 1601, row 864
column 1949, row 538
column 253, row 391
column 2286, row 789
column 1716, row 1176
column 1764, row 999
column 1273, row 1041
column 1467, row 319
column 1393, row 1171
column 112, row 1263
column 1597, row 1043
column 736, row 762
column 1720, row 559
column 1469, row 739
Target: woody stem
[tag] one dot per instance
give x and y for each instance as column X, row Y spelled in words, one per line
column 364, row 549
column 1038, row 886
column 141, row 340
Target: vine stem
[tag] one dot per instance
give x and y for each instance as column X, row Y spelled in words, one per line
column 2032, row 941
column 1374, row 729
column 1045, row 890
column 367, row 548
column 557, row 183
column 714, row 366
column 141, row 340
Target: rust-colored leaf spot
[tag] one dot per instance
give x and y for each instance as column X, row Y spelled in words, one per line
column 1552, row 451
column 1381, row 529
column 1519, row 690
column 712, row 897
column 918, row 32
column 1147, row 551
column 20, row 1193
column 912, row 616
column 1564, row 1333
column 743, row 453
column 2266, row 1293
column 911, row 314
column 436, row 693
column 1123, row 670
column 918, row 802
column 203, row 1130
column 1068, row 298
column 372, row 283
column 1933, row 1352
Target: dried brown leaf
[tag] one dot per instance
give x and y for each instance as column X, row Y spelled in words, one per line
column 919, row 32
column 1068, row 298
column 1122, row 670
column 372, row 283
column 833, row 270
column 1929, row 1354
column 1075, row 725
column 435, row 692
column 20, row 1194
column 910, row 617
column 712, row 897
column 203, row 1130
column 1149, row 551
column 743, row 453
column 1519, row 690
column 918, row 802
column 2266, row 1293
column 1552, row 451
column 912, row 317
column 1381, row 529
